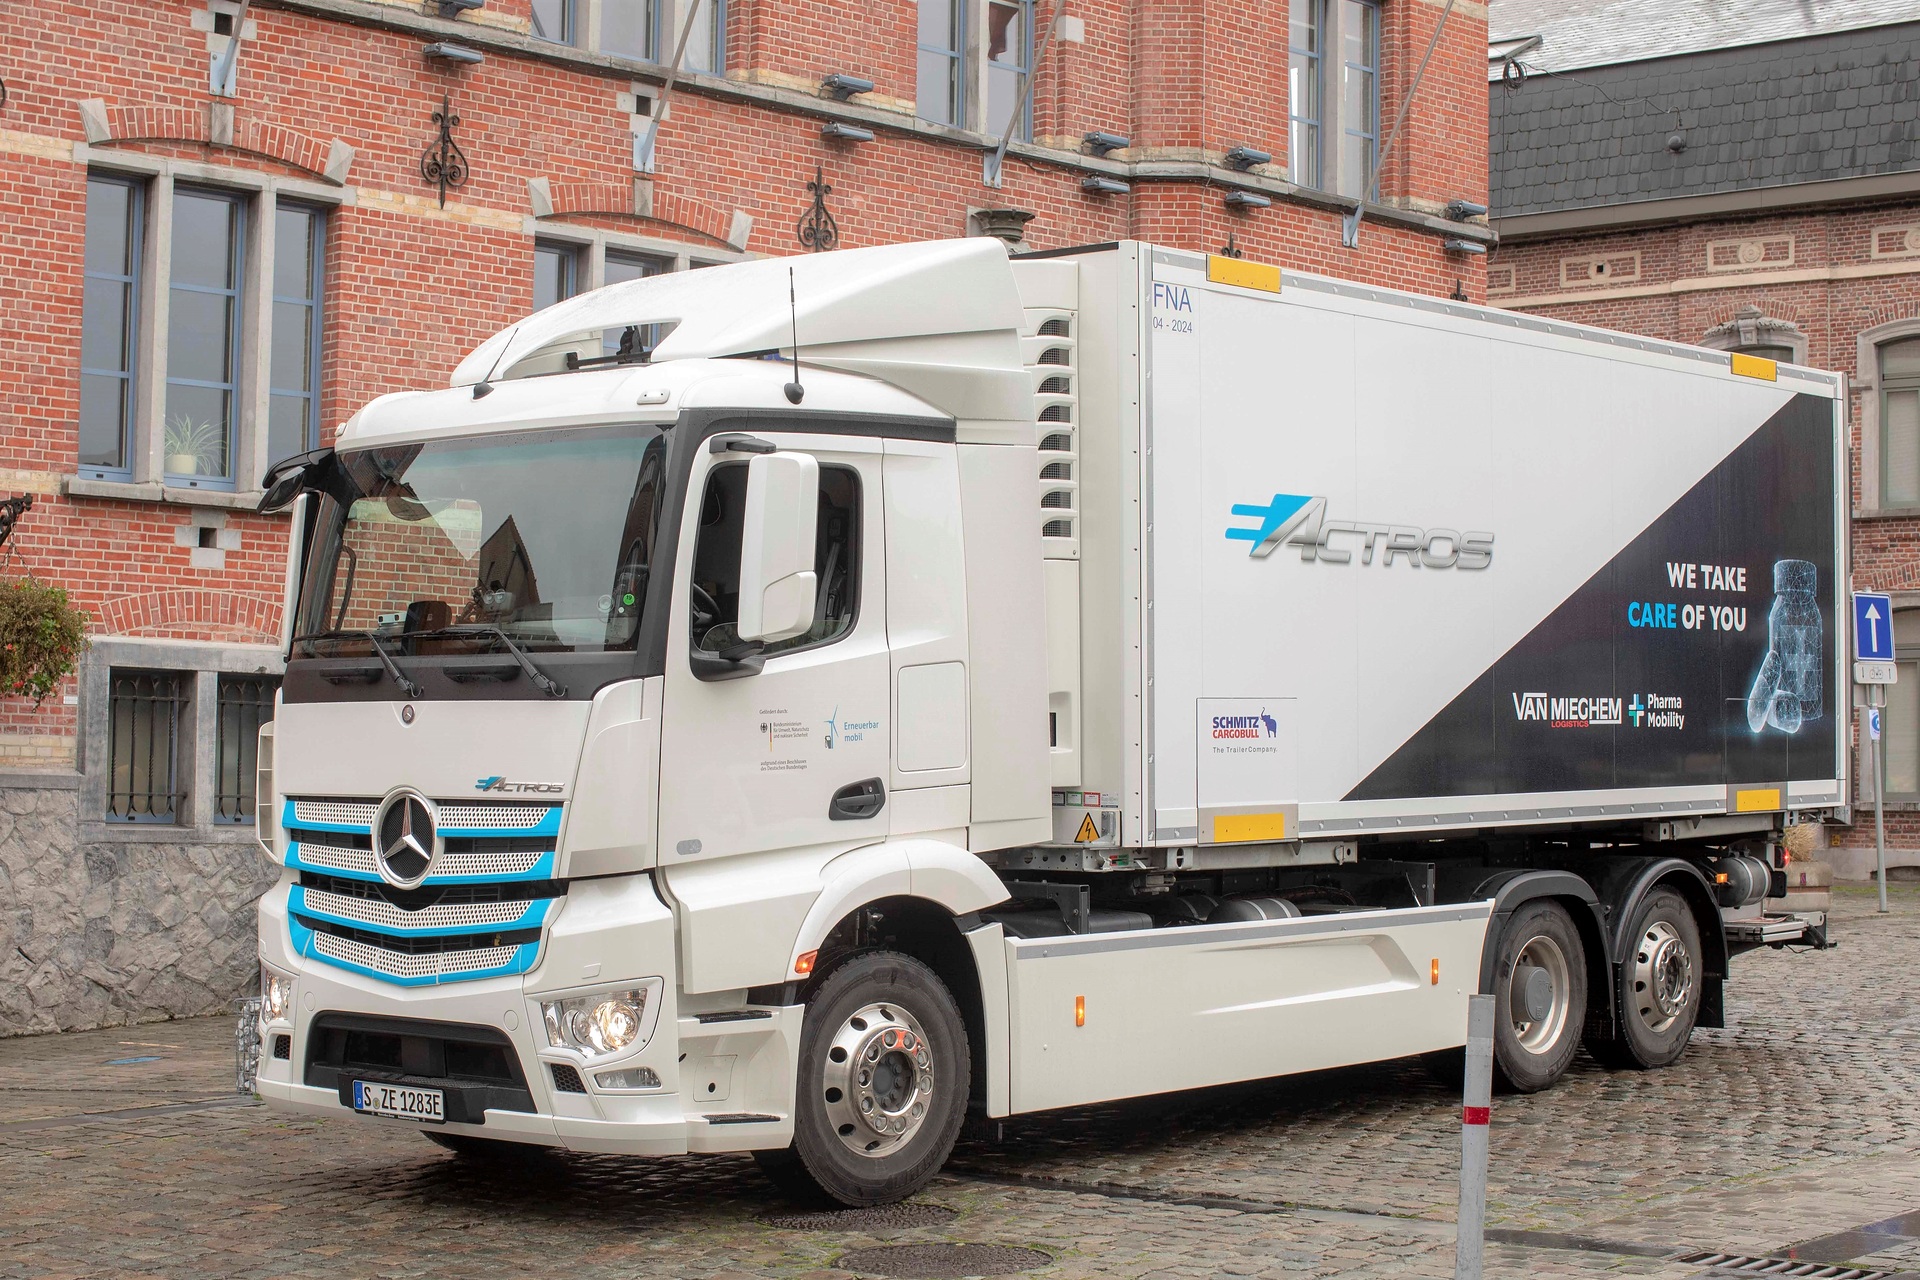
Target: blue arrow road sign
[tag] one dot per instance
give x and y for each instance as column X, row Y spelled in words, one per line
column 1873, row 731
column 1872, row 627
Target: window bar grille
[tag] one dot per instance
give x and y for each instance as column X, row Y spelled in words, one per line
column 144, row 713
column 244, row 703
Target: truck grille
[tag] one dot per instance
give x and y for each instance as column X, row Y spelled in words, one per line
column 480, row 912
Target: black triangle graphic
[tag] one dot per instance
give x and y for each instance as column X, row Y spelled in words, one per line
column 1675, row 665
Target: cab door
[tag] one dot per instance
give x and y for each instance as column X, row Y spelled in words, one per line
column 772, row 764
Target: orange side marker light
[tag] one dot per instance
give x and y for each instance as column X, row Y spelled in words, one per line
column 1079, row 1011
column 1436, row 971
column 805, row 963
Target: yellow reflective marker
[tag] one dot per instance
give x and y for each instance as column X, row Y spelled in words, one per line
column 1243, row 274
column 1758, row 800
column 1229, row 828
column 1755, row 367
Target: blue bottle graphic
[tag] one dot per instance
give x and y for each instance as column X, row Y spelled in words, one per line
column 1788, row 692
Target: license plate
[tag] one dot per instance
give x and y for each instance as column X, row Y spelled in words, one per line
column 399, row 1101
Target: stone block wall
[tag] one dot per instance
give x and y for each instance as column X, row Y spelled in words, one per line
column 97, row 933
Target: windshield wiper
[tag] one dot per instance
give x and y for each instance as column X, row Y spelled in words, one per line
column 546, row 683
column 407, row 686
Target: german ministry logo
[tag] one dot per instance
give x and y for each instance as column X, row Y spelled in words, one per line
column 1300, row 521
column 406, row 838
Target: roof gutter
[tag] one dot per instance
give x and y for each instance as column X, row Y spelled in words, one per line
column 1513, row 228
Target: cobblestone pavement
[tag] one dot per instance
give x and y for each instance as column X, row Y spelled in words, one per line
column 122, row 1153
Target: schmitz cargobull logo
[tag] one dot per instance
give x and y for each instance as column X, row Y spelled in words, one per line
column 1299, row 521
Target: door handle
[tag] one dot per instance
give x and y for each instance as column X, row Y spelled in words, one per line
column 857, row 800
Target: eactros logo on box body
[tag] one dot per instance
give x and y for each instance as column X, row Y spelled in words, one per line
column 1299, row 521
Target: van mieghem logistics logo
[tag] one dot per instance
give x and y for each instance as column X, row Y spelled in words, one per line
column 1299, row 521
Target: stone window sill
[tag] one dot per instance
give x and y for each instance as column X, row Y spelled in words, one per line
column 1887, row 513
column 153, row 491
column 96, row 832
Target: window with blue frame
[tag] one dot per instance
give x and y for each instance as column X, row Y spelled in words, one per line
column 707, row 45
column 1009, row 63
column 109, row 324
column 940, row 94
column 203, row 337
column 631, row 28
column 553, row 20
column 1359, row 96
column 299, row 274
column 1306, row 94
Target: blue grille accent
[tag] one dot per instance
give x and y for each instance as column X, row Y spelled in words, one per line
column 542, row 869
column 524, row 957
column 534, row 917
column 427, row 954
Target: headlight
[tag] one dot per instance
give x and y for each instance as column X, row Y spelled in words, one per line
column 598, row 1025
column 276, row 995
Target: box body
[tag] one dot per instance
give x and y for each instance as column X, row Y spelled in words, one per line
column 1357, row 562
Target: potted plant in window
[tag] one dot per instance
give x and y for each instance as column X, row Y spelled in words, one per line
column 192, row 448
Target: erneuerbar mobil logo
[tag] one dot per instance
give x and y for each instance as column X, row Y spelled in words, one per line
column 1300, row 521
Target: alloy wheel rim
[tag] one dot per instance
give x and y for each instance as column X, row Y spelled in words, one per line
column 1662, row 976
column 1541, row 1035
column 878, row 1082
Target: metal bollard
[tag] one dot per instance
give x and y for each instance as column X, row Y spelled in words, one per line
column 1469, row 1247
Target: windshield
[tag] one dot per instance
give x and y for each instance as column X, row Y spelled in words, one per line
column 544, row 538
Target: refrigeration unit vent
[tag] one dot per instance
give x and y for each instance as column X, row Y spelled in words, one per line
column 1050, row 355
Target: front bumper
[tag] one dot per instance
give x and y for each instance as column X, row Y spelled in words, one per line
column 724, row 1085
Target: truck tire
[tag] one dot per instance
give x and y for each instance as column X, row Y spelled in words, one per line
column 1540, row 997
column 881, row 1086
column 1660, row 985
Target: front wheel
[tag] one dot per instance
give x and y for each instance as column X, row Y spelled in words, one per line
column 1660, row 985
column 1540, row 997
column 882, row 1084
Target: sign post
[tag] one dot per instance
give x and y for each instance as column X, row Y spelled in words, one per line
column 1874, row 667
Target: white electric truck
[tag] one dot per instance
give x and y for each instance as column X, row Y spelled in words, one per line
column 783, row 706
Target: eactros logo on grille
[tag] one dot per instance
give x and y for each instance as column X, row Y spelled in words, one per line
column 406, row 838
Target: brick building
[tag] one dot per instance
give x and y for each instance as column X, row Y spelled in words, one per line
column 212, row 253
column 1747, row 178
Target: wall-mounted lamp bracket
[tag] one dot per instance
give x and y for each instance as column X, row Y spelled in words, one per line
column 843, row 86
column 446, row 51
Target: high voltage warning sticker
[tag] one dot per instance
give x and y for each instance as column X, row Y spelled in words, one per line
column 1087, row 833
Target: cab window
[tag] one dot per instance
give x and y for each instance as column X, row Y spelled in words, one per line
column 714, row 595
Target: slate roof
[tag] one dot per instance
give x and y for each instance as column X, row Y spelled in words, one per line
column 1831, row 106
column 1595, row 33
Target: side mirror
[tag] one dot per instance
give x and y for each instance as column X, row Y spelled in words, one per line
column 290, row 476
column 777, row 582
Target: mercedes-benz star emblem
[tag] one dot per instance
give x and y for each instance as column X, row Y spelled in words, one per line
column 406, row 838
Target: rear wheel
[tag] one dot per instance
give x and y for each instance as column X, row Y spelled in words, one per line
column 882, row 1085
column 1540, row 997
column 1660, row 985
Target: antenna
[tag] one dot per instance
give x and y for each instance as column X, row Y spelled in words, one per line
column 793, row 389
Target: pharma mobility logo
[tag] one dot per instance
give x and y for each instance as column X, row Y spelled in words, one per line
column 1299, row 520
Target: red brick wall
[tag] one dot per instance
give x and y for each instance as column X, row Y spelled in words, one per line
column 1690, row 279
column 411, row 287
